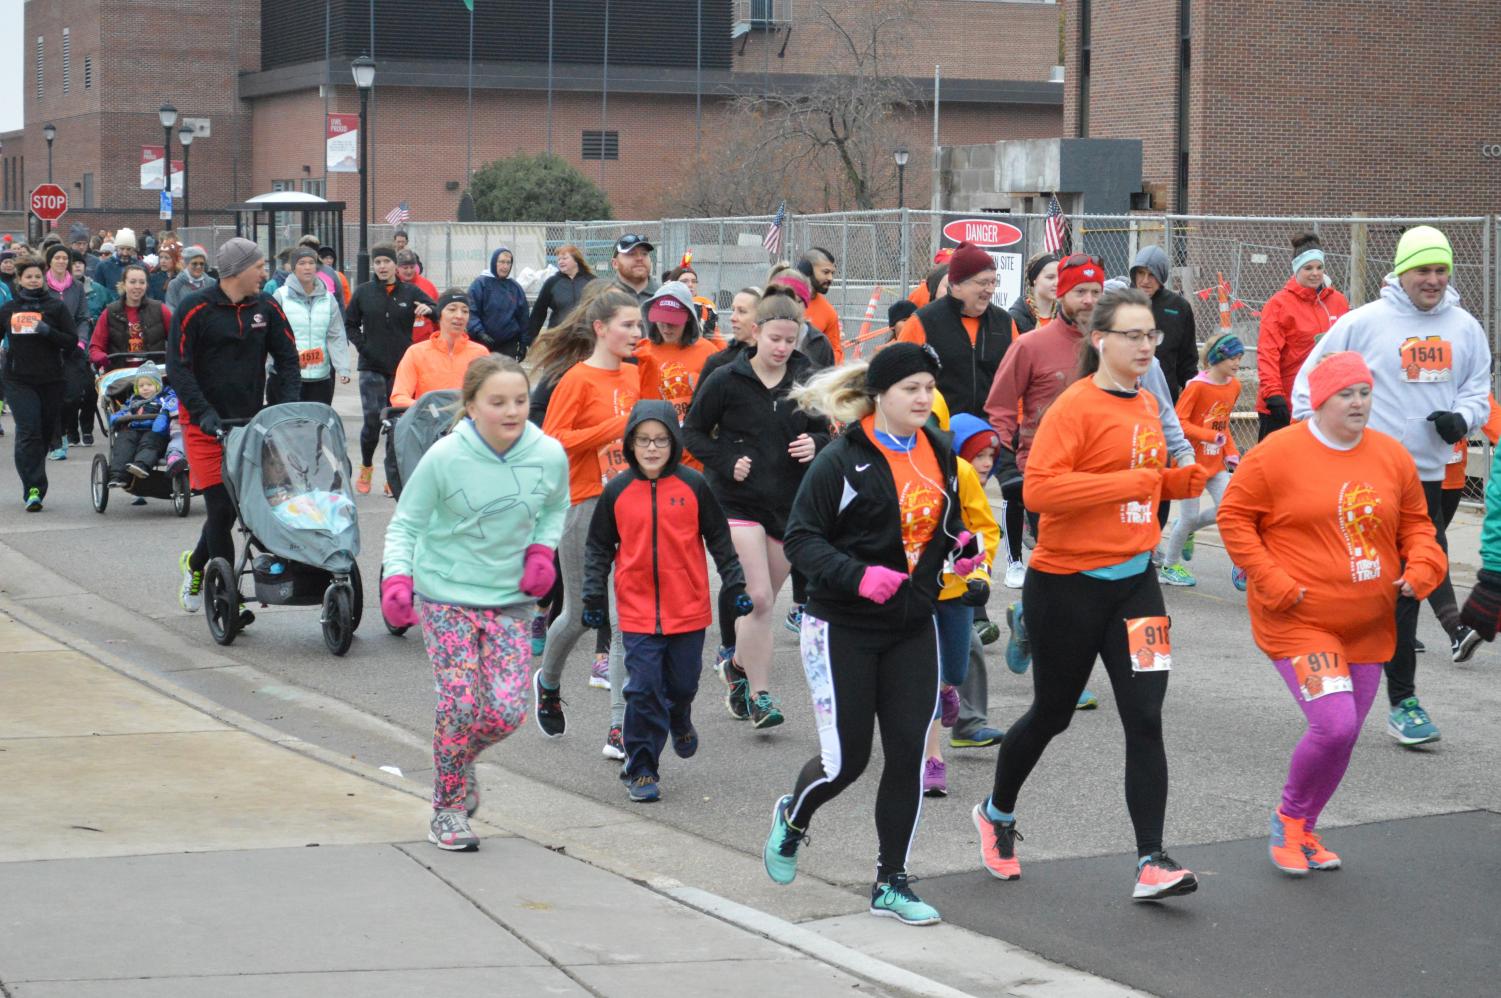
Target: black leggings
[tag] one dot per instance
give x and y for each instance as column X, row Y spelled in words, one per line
column 856, row 675
column 217, row 539
column 1015, row 512
column 1402, row 669
column 1443, row 601
column 1071, row 620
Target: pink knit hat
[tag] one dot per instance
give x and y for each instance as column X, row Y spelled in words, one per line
column 1335, row 373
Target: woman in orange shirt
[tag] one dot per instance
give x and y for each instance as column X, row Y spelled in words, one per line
column 587, row 415
column 1329, row 520
column 1204, row 412
column 1098, row 468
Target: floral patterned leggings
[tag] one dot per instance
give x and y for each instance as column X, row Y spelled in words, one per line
column 480, row 660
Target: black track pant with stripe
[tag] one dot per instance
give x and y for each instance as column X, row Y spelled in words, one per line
column 857, row 676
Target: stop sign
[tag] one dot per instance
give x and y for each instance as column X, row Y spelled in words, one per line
column 49, row 202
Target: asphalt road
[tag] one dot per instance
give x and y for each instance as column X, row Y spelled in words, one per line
column 1229, row 728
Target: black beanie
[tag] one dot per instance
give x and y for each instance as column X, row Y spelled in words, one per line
column 899, row 311
column 450, row 296
column 899, row 361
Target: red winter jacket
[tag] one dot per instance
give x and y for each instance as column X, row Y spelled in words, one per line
column 1292, row 321
column 654, row 531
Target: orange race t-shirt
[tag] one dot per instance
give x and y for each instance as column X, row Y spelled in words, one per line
column 919, row 490
column 912, row 330
column 820, row 315
column 1204, row 409
column 670, row 371
column 587, row 415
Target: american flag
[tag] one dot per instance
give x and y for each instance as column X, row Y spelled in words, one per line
column 1055, row 229
column 398, row 214
column 773, row 241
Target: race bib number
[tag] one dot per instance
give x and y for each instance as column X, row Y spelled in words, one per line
column 24, row 323
column 1427, row 360
column 1149, row 644
column 310, row 358
column 1321, row 673
column 611, row 460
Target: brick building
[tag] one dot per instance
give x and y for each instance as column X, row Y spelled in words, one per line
column 1281, row 107
column 628, row 105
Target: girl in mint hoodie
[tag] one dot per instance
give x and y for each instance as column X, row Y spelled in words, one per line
column 474, row 535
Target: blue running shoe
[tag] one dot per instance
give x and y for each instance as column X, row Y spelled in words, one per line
column 780, row 853
column 539, row 633
column 1176, row 575
column 1087, row 701
column 643, row 789
column 1238, row 577
column 894, row 899
column 795, row 619
column 1410, row 724
column 1018, row 646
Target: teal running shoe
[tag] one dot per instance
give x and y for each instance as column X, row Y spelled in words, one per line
column 1087, row 701
column 1176, row 575
column 894, row 899
column 780, row 852
column 1410, row 724
column 1018, row 646
column 1188, row 548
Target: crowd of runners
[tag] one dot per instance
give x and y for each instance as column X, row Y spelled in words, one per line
column 613, row 437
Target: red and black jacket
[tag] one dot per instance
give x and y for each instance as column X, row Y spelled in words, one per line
column 655, row 531
column 217, row 350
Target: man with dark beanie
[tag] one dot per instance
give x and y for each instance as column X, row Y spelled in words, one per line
column 379, row 323
column 969, row 333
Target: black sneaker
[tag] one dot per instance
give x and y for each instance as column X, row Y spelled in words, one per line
column 1464, row 644
column 737, row 696
column 764, row 712
column 1418, row 647
column 685, row 743
column 88, row 440
column 550, row 719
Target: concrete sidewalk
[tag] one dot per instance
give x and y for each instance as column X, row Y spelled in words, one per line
column 148, row 849
column 154, row 848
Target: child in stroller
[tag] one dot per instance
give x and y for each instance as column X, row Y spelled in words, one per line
column 142, row 427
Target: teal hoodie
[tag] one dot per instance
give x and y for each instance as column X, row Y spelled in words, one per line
column 468, row 514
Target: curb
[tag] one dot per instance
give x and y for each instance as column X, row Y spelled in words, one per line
column 771, row 927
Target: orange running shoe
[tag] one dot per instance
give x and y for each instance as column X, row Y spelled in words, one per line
column 1319, row 858
column 362, row 485
column 997, row 845
column 1286, row 845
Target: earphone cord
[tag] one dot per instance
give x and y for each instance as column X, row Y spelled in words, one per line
column 943, row 519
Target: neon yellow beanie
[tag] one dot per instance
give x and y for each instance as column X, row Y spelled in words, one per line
column 1422, row 246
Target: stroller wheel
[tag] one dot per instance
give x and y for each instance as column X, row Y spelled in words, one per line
column 390, row 627
column 357, row 596
column 221, row 601
column 338, row 619
column 182, row 494
column 99, row 482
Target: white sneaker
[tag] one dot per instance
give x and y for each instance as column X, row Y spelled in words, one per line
column 190, row 596
column 1016, row 574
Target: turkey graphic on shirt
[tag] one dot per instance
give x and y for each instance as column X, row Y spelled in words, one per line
column 1218, row 420
column 677, row 387
column 921, row 505
column 1148, row 450
column 1359, row 520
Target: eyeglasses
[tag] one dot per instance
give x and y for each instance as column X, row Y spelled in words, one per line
column 1136, row 337
column 654, row 443
column 989, row 285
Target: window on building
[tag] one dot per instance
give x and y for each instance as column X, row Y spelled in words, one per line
column 88, row 72
column 313, row 187
column 601, row 145
column 39, row 53
column 88, row 190
column 1082, row 126
column 67, row 61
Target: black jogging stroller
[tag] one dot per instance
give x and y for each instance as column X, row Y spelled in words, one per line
column 287, row 471
column 412, row 431
column 168, row 478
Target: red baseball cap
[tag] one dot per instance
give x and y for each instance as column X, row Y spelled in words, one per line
column 667, row 310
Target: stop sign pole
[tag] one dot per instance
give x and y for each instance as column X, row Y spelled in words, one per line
column 49, row 202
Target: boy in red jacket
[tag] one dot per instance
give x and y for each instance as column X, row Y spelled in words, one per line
column 652, row 524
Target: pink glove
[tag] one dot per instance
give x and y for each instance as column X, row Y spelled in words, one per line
column 396, row 600
column 879, row 583
column 963, row 566
column 538, row 576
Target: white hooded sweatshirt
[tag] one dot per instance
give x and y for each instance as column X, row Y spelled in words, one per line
column 1422, row 362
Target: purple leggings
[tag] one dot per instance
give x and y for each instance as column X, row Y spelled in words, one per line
column 480, row 660
column 1323, row 753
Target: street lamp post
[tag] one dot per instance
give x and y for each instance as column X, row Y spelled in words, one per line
column 185, row 136
column 363, row 69
column 900, row 155
column 49, row 132
column 167, row 114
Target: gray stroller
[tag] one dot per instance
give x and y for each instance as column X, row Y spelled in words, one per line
column 287, row 471
column 412, row 431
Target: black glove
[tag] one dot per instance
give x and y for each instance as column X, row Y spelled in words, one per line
column 1451, row 426
column 738, row 599
column 1482, row 610
column 976, row 593
column 1005, row 472
column 209, row 423
column 594, row 616
column 1277, row 406
column 41, row 328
